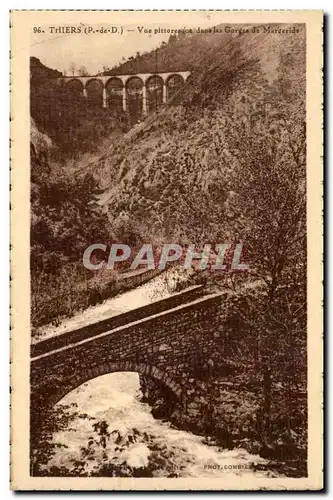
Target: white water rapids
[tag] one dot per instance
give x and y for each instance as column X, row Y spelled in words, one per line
column 135, row 443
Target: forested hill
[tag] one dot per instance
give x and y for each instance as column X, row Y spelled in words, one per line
column 39, row 72
column 193, row 51
column 74, row 126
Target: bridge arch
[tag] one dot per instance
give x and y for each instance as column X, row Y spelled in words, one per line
column 75, row 85
column 154, row 86
column 114, row 93
column 114, row 81
column 134, row 84
column 173, row 83
column 91, row 372
column 94, row 89
column 135, row 100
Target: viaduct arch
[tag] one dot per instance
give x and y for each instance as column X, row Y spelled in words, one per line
column 150, row 90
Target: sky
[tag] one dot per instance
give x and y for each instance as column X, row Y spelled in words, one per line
column 59, row 51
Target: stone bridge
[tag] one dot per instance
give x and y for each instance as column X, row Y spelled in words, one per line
column 144, row 90
column 177, row 343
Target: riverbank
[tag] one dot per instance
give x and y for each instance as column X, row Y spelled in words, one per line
column 232, row 424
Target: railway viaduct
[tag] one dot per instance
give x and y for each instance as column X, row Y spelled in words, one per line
column 149, row 89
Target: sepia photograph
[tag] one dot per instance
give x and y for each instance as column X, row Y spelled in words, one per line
column 171, row 305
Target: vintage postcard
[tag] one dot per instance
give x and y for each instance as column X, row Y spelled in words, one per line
column 166, row 276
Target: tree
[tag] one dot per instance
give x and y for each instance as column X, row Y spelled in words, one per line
column 83, row 71
column 263, row 156
column 265, row 153
column 72, row 68
column 66, row 219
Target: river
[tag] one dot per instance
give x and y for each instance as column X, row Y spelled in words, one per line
column 128, row 441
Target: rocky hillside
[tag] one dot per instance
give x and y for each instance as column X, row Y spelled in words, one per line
column 74, row 125
column 39, row 72
column 177, row 176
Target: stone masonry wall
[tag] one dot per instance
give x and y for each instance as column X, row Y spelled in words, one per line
column 178, row 342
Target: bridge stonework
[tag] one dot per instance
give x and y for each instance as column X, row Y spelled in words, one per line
column 177, row 349
column 124, row 81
